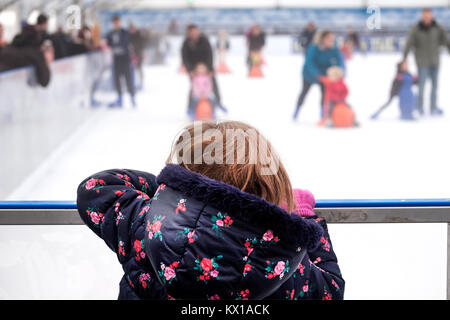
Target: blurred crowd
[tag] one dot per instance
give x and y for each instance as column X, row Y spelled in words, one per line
column 35, row 46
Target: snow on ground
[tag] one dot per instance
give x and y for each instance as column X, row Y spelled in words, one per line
column 380, row 159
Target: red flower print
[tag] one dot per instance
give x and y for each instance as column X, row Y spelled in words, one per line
column 268, row 235
column 206, row 264
column 91, row 183
column 156, row 226
column 214, row 273
column 247, row 267
column 137, row 245
column 102, row 182
column 169, row 273
column 119, row 193
column 279, row 268
column 219, row 223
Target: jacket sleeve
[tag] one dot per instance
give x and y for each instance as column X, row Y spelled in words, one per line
column 410, row 43
column 310, row 66
column 42, row 69
column 445, row 40
column 319, row 276
column 110, row 202
column 185, row 57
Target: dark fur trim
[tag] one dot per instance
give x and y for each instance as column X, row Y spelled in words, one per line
column 249, row 207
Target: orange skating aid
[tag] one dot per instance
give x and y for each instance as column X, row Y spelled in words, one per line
column 204, row 110
column 255, row 72
column 343, row 116
column 182, row 69
column 222, row 68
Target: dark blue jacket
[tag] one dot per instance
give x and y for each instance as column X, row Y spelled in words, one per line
column 182, row 235
column 120, row 41
column 318, row 60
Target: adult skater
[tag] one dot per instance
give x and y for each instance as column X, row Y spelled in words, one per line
column 119, row 41
column 137, row 41
column 256, row 41
column 426, row 39
column 307, row 36
column 197, row 49
column 320, row 56
column 210, row 230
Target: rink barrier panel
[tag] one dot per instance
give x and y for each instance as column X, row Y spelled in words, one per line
column 333, row 211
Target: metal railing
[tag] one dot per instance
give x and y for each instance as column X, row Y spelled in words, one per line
column 334, row 211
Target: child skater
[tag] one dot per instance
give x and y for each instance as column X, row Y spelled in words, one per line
column 402, row 87
column 206, row 228
column 336, row 92
column 202, row 88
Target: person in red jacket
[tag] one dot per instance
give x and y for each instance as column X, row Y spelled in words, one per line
column 336, row 91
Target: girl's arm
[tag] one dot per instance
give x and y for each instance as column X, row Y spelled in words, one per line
column 318, row 276
column 112, row 202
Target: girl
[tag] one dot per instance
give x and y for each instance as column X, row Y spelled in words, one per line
column 336, row 93
column 402, row 86
column 319, row 57
column 217, row 229
column 202, row 88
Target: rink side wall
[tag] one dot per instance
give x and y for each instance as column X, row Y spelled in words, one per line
column 35, row 120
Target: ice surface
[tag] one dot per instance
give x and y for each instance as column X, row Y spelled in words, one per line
column 387, row 158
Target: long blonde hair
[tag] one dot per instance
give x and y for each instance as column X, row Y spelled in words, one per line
column 246, row 170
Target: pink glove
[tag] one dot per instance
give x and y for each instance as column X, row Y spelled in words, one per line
column 305, row 202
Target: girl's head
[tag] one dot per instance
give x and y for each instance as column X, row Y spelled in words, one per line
column 236, row 154
column 327, row 39
column 201, row 69
column 402, row 66
column 335, row 73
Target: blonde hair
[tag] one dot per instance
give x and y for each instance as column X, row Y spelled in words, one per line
column 245, row 171
column 335, row 72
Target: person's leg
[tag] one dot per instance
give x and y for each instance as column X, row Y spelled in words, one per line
column 216, row 90
column 301, row 98
column 190, row 104
column 117, row 75
column 434, row 73
column 423, row 75
column 128, row 72
column 322, row 99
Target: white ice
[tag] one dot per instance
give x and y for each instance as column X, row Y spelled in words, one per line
column 380, row 159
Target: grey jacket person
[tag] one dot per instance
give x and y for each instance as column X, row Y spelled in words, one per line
column 426, row 41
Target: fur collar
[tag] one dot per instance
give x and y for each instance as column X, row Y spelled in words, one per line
column 249, row 207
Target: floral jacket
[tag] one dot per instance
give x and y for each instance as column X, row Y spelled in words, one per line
column 182, row 235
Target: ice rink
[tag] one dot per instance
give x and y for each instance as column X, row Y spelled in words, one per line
column 386, row 158
column 383, row 159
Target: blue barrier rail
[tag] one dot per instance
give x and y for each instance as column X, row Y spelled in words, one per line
column 345, row 203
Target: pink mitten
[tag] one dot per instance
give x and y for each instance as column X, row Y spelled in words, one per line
column 304, row 202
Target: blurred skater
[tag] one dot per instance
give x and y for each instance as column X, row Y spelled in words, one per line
column 320, row 56
column 222, row 46
column 197, row 49
column 426, row 39
column 336, row 110
column 307, row 36
column 202, row 92
column 402, row 87
column 137, row 41
column 256, row 41
column 119, row 41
